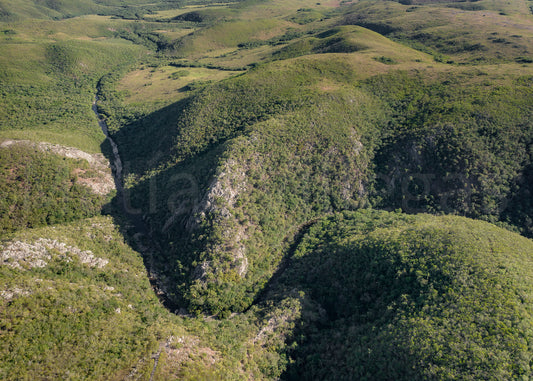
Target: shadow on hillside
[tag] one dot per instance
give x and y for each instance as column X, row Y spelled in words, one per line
column 154, row 215
column 137, row 234
column 520, row 206
column 144, row 143
column 335, row 329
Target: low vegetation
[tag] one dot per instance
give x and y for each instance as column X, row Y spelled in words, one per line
column 42, row 189
column 297, row 180
column 61, row 305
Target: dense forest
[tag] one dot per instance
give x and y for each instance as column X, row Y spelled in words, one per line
column 302, row 190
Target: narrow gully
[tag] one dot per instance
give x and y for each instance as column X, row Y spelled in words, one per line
column 116, row 165
column 146, row 245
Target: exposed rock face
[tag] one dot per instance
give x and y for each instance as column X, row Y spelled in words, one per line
column 219, row 200
column 13, row 293
column 23, row 255
column 232, row 227
column 222, row 193
column 101, row 181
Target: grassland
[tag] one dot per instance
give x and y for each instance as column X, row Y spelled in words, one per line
column 173, row 13
column 164, row 85
column 55, row 77
column 61, row 9
column 452, row 34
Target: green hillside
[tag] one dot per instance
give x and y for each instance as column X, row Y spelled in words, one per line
column 40, row 189
column 301, row 190
column 249, row 167
column 68, row 297
column 390, row 296
column 60, row 9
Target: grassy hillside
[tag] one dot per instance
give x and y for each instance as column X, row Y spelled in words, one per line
column 259, row 141
column 454, row 32
column 77, row 303
column 60, row 9
column 49, row 79
column 44, row 189
column 234, row 169
column 287, row 153
column 71, row 287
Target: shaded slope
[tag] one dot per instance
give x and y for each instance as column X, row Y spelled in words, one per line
column 390, row 296
column 458, row 144
column 226, row 176
column 253, row 157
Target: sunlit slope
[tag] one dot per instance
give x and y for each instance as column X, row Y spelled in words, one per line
column 251, row 133
column 235, row 169
column 245, row 163
column 458, row 32
column 49, row 76
column 76, row 303
column 40, row 188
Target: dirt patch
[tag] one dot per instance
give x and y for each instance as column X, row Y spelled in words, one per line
column 182, row 349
